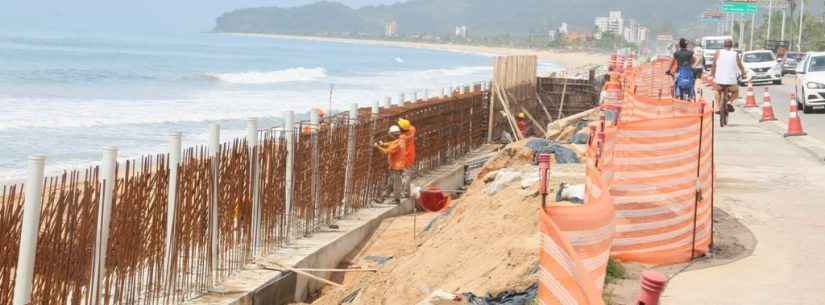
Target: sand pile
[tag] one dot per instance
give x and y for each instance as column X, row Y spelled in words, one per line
column 486, row 243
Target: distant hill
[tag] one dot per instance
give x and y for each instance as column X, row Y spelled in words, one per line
column 482, row 17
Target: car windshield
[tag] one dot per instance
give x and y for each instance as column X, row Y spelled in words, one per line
column 758, row 57
column 714, row 44
column 795, row 56
column 817, row 64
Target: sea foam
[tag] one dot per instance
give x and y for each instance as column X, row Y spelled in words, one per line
column 299, row 74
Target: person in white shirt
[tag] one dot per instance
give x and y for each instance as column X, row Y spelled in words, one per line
column 727, row 64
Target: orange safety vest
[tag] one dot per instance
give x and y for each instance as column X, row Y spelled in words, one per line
column 396, row 155
column 408, row 136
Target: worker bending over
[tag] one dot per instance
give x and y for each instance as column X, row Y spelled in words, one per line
column 522, row 127
column 396, row 151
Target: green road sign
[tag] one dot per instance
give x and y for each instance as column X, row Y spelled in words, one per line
column 739, row 7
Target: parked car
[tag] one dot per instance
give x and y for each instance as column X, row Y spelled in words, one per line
column 790, row 62
column 810, row 82
column 762, row 67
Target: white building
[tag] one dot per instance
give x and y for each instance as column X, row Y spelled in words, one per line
column 643, row 33
column 461, row 31
column 615, row 22
column 602, row 24
column 391, row 29
column 563, row 28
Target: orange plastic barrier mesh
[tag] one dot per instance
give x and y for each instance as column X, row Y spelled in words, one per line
column 576, row 243
column 649, row 193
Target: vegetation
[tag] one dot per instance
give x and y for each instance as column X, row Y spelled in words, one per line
column 482, row 17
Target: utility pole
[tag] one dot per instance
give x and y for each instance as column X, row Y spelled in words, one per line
column 801, row 18
column 770, row 20
column 753, row 22
column 742, row 33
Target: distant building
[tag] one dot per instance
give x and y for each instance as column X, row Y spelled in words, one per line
column 563, row 28
column 552, row 35
column 391, row 29
column 615, row 22
column 602, row 24
column 631, row 31
column 643, row 33
column 461, row 31
column 578, row 36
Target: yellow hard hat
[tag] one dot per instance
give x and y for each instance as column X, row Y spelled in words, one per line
column 404, row 124
column 521, row 115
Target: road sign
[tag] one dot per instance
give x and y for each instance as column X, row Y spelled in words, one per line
column 739, row 7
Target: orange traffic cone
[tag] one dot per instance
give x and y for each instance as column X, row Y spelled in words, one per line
column 794, row 122
column 767, row 108
column 750, row 100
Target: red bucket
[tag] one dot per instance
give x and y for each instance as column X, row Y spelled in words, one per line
column 433, row 200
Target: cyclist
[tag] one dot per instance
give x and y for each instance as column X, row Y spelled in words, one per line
column 727, row 64
column 685, row 79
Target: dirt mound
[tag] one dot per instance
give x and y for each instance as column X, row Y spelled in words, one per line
column 487, row 242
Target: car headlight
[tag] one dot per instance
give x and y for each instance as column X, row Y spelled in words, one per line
column 815, row 85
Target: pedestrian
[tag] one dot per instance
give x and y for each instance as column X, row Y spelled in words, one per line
column 396, row 152
column 408, row 136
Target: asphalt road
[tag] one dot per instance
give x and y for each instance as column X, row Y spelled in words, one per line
column 812, row 123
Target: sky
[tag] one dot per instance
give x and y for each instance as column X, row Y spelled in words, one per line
column 179, row 16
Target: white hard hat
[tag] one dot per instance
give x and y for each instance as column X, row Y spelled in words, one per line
column 395, row 129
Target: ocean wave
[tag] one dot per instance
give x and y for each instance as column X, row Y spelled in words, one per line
column 299, row 74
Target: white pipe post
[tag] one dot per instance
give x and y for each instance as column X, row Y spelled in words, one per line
column 784, row 18
column 289, row 132
column 388, row 102
column 315, row 121
column 415, row 97
column 444, row 92
column 426, row 94
column 461, row 89
column 353, row 121
column 104, row 218
column 214, row 151
column 254, row 175
column 376, row 108
column 171, row 202
column 402, row 100
column 801, row 25
column 29, row 231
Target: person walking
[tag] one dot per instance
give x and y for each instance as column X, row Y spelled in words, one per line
column 396, row 152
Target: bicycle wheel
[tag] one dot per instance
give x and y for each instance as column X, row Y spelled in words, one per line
column 723, row 109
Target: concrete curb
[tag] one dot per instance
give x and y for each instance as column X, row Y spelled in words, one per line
column 811, row 145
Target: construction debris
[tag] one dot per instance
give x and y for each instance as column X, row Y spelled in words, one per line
column 563, row 130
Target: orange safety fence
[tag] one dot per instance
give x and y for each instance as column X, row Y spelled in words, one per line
column 649, row 192
column 575, row 245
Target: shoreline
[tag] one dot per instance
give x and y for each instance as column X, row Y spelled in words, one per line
column 568, row 60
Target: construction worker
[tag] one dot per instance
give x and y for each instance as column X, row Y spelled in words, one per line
column 522, row 125
column 396, row 151
column 408, row 137
column 308, row 129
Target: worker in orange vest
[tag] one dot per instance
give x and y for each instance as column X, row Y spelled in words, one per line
column 408, row 137
column 308, row 129
column 396, row 151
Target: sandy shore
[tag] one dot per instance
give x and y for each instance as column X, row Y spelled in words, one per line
column 570, row 60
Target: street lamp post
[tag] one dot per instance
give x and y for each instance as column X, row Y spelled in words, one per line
column 770, row 20
column 801, row 18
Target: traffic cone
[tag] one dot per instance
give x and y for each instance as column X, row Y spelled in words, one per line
column 767, row 108
column 794, row 122
column 750, row 100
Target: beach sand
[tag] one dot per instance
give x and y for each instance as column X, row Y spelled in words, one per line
column 569, row 59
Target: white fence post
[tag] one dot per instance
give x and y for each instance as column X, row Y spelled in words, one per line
column 402, row 100
column 289, row 132
column 29, row 231
column 315, row 121
column 104, row 218
column 388, row 102
column 214, row 153
column 353, row 121
column 174, row 160
column 252, row 143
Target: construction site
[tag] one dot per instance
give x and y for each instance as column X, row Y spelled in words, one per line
column 528, row 190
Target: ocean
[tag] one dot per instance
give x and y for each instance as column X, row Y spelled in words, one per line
column 67, row 95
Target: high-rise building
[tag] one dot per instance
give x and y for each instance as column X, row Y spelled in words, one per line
column 615, row 22
column 643, row 32
column 391, row 29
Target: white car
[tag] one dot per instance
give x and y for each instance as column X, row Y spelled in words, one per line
column 762, row 67
column 810, row 82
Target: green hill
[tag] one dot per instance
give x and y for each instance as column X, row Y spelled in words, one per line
column 482, row 17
